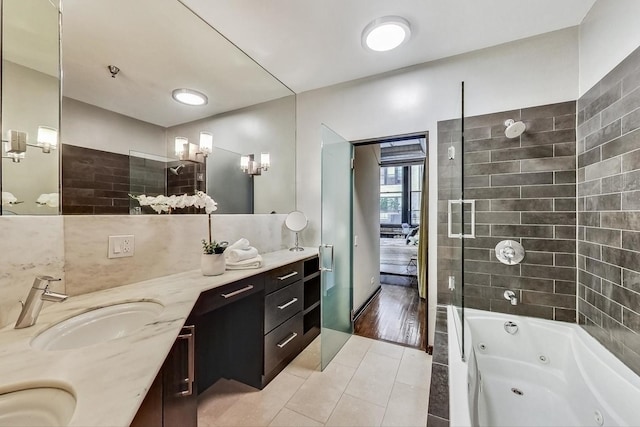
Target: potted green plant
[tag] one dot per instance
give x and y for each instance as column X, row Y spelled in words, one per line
column 212, row 262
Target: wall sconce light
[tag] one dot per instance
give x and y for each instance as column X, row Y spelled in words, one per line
column 47, row 138
column 189, row 152
column 181, row 146
column 206, row 143
column 253, row 167
column 16, row 143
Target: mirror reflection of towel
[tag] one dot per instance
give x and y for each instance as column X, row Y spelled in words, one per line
column 236, row 255
column 255, row 262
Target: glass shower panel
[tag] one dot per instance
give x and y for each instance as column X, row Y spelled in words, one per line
column 336, row 248
column 451, row 214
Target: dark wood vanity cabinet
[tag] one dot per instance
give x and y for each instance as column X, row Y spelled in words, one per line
column 248, row 330
column 172, row 399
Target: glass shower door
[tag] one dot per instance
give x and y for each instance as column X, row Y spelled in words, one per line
column 336, row 248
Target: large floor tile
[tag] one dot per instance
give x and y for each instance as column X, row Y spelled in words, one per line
column 374, row 378
column 259, row 409
column 408, row 406
column 218, row 398
column 351, row 412
column 288, row 418
column 319, row 395
column 415, row 368
column 307, row 362
column 353, row 351
column 387, row 349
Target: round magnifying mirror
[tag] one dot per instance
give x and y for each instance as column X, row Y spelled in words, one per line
column 296, row 221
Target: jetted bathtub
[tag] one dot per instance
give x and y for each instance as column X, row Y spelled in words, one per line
column 534, row 372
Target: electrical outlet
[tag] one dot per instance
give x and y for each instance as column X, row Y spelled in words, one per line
column 452, row 283
column 121, row 246
column 373, row 280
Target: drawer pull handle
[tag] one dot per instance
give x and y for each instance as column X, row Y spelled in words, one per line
column 283, row 306
column 286, row 276
column 189, row 336
column 239, row 291
column 288, row 340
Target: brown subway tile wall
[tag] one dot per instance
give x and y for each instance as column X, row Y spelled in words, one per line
column 98, row 182
column 94, row 182
column 609, row 211
column 525, row 191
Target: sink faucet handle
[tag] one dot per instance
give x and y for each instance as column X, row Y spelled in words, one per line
column 44, row 280
column 48, row 278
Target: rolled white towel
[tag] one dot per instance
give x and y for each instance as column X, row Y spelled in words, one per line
column 255, row 262
column 236, row 255
column 240, row 244
column 8, row 198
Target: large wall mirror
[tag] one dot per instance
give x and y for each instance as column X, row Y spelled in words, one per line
column 121, row 62
column 30, row 107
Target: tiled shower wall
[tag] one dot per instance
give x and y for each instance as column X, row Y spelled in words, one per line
column 96, row 182
column 525, row 191
column 609, row 211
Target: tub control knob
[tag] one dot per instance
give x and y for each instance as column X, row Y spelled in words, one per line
column 510, row 327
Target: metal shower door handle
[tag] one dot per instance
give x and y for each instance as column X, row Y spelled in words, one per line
column 461, row 235
column 320, row 251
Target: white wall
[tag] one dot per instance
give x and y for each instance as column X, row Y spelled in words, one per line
column 608, row 33
column 267, row 127
column 366, row 223
column 534, row 71
column 85, row 125
column 29, row 99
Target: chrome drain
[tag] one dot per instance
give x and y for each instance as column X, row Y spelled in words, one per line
column 517, row 391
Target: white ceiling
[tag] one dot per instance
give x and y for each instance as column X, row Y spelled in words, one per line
column 312, row 44
column 160, row 45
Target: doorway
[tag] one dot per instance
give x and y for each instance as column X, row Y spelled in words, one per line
column 388, row 190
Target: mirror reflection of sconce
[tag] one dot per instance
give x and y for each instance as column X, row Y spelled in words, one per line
column 249, row 165
column 16, row 143
column 190, row 152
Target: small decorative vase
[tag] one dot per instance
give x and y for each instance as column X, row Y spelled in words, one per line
column 212, row 264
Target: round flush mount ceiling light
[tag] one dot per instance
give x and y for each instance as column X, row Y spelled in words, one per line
column 189, row 97
column 386, row 33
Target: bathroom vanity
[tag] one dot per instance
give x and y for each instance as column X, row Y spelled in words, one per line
column 247, row 330
column 193, row 336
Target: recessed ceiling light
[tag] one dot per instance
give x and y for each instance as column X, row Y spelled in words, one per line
column 386, row 33
column 189, row 97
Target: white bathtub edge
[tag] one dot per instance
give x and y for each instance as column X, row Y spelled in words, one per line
column 458, row 399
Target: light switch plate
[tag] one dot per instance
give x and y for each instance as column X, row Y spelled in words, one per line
column 121, row 246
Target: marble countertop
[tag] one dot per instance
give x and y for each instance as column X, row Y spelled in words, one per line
column 111, row 379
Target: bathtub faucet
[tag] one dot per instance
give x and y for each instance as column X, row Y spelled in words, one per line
column 511, row 296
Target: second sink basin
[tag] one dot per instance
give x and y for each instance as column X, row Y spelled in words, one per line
column 97, row 326
column 40, row 406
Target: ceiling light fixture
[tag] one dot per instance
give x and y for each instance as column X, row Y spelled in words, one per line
column 189, row 97
column 386, row 33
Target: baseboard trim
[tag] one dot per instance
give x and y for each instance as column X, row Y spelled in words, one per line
column 364, row 306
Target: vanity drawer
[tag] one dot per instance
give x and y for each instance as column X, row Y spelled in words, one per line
column 226, row 294
column 282, row 304
column 282, row 276
column 282, row 342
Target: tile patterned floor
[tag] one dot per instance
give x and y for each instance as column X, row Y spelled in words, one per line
column 369, row 383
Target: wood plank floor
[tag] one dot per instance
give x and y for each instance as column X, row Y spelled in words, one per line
column 396, row 314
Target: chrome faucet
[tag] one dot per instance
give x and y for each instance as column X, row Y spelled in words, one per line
column 511, row 296
column 38, row 293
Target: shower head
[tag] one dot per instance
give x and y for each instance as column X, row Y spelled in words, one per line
column 514, row 129
column 176, row 170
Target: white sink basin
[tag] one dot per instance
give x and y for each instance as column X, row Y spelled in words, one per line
column 97, row 326
column 41, row 406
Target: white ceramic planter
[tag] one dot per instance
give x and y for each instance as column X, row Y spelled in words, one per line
column 212, row 264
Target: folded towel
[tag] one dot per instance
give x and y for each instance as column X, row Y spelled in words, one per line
column 240, row 244
column 246, row 264
column 236, row 255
